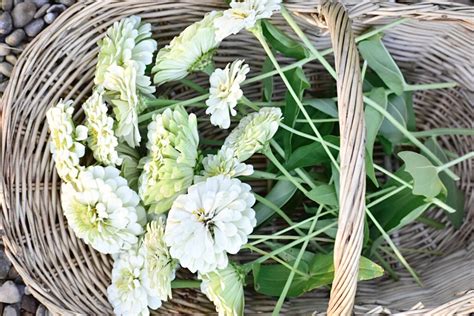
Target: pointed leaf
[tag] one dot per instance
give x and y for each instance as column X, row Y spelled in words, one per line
column 324, row 194
column 397, row 108
column 327, row 106
column 312, row 154
column 279, row 195
column 282, row 42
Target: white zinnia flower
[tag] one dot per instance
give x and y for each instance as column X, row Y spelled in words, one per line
column 121, row 81
column 127, row 40
column 253, row 132
column 214, row 218
column 101, row 138
column 160, row 267
column 225, row 163
column 172, row 153
column 64, row 144
column 225, row 92
column 244, row 14
column 191, row 51
column 102, row 210
column 129, row 292
column 225, row 289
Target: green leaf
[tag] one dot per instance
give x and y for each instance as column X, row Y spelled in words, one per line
column 369, row 168
column 397, row 108
column 299, row 83
column 280, row 194
column 321, row 223
column 411, row 119
column 311, row 154
column 455, row 197
column 327, row 106
column 426, row 181
column 129, row 169
column 291, row 254
column 379, row 59
column 282, row 42
column 373, row 118
column 267, row 83
column 324, row 194
column 270, row 279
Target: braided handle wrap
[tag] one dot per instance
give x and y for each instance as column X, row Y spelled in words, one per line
column 350, row 232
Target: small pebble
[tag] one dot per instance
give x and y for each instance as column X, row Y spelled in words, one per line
column 42, row 11
column 7, row 5
column 57, row 8
column 11, row 310
column 6, row 70
column 41, row 311
column 15, row 38
column 67, row 3
column 3, row 87
column 9, row 293
column 12, row 60
column 23, row 13
column 15, row 2
column 13, row 274
column 38, row 3
column 34, row 27
column 4, row 50
column 50, row 17
column 29, row 304
column 5, row 265
column 6, row 23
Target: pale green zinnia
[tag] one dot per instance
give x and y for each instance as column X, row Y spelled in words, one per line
column 253, row 132
column 224, row 163
column 172, row 153
column 191, row 51
column 225, row 289
column 127, row 40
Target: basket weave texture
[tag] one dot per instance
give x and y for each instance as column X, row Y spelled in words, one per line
column 434, row 45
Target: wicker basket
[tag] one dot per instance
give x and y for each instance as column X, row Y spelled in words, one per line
column 69, row 277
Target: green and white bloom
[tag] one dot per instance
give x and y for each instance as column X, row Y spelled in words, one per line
column 101, row 138
column 160, row 267
column 127, row 40
column 129, row 293
column 121, row 84
column 244, row 14
column 225, row 163
column 225, row 92
column 189, row 52
column 253, row 132
column 102, row 210
column 214, row 218
column 65, row 140
column 172, row 153
column 225, row 288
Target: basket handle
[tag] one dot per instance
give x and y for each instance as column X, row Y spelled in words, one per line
column 349, row 238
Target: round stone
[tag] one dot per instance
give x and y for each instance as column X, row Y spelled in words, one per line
column 6, row 69
column 11, row 59
column 50, row 17
column 23, row 13
column 38, row 3
column 11, row 310
column 15, row 38
column 3, row 87
column 67, row 3
column 6, row 23
column 4, row 50
column 7, row 5
column 42, row 11
column 34, row 27
column 57, row 8
column 9, row 293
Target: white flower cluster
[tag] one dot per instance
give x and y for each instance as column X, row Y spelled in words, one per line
column 102, row 210
column 124, row 54
column 225, row 92
column 65, row 140
column 101, row 137
column 244, row 14
column 172, row 153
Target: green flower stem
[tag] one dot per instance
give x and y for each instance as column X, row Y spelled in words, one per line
column 274, row 257
column 281, row 237
column 263, row 239
column 363, row 71
column 429, row 86
column 448, row 165
column 269, row 154
column 192, row 101
column 393, row 246
column 328, row 120
column 258, row 34
column 385, row 196
column 302, row 134
column 248, row 103
column 444, row 131
column 290, row 245
column 191, row 84
column 380, row 192
column 185, row 284
column 386, row 266
column 301, row 172
column 281, row 299
column 408, row 135
column 257, row 174
column 292, row 23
